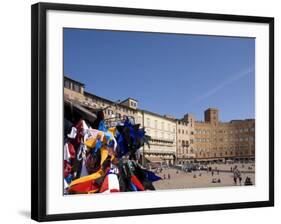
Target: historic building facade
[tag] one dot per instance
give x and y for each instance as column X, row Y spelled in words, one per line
column 161, row 129
column 215, row 140
column 185, row 139
column 175, row 140
column 75, row 91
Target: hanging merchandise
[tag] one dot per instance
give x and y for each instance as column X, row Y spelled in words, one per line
column 104, row 159
column 73, row 133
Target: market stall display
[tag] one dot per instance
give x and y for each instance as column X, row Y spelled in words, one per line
column 102, row 159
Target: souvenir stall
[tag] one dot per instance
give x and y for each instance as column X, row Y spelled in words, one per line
column 100, row 157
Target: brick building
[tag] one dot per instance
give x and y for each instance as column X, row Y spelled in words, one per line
column 215, row 140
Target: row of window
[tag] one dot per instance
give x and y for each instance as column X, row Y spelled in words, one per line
column 201, row 131
column 241, row 130
column 181, row 131
column 184, row 151
column 185, row 142
column 240, row 153
column 126, row 110
column 162, row 135
column 241, row 139
column 231, row 148
column 165, row 141
column 133, row 104
column 160, row 125
column 186, row 123
column 183, row 122
column 110, row 111
column 74, row 87
column 226, row 153
column 201, row 140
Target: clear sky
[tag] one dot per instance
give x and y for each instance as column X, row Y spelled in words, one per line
column 167, row 73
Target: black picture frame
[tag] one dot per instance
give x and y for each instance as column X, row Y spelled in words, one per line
column 39, row 122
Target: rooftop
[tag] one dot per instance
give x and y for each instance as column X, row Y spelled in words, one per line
column 129, row 98
column 72, row 80
column 158, row 115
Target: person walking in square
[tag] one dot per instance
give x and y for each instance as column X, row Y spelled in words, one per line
column 235, row 179
column 240, row 180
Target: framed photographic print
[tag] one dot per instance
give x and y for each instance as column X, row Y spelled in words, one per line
column 139, row 111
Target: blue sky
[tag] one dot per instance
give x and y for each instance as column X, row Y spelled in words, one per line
column 167, row 73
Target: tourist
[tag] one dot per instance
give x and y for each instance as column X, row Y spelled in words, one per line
column 212, row 173
column 169, row 177
column 240, row 179
column 248, row 181
column 164, row 177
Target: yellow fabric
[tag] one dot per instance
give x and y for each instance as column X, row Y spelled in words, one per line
column 112, row 157
column 91, row 142
column 112, row 130
column 93, row 191
column 104, row 154
column 93, row 176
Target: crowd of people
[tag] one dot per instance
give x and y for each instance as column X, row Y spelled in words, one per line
column 235, row 173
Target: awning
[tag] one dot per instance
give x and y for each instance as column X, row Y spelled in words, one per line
column 86, row 113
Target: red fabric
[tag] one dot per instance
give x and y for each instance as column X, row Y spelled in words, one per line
column 137, row 183
column 79, row 127
column 67, row 169
column 71, row 150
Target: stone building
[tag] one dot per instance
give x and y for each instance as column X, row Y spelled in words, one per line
column 75, row 91
column 174, row 140
column 113, row 111
column 215, row 140
column 185, row 139
column 160, row 128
